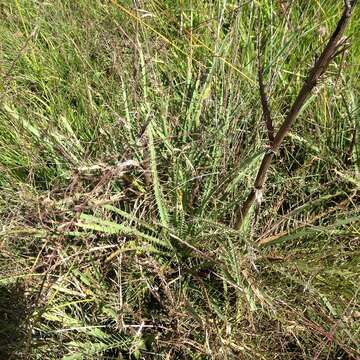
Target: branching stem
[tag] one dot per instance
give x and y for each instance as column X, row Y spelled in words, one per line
column 312, row 79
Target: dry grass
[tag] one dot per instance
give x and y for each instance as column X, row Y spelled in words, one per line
column 128, row 137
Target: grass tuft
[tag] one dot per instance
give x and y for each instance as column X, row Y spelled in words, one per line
column 130, row 131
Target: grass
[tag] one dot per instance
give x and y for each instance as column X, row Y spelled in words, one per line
column 128, row 137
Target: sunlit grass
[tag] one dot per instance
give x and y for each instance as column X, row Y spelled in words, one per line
column 128, row 136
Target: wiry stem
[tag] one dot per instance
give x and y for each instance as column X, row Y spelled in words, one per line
column 315, row 73
column 265, row 106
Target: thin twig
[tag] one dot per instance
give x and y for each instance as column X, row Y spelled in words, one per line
column 7, row 75
column 265, row 106
column 23, row 48
column 260, row 44
column 312, row 79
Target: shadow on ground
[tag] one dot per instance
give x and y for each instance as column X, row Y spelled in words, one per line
column 13, row 315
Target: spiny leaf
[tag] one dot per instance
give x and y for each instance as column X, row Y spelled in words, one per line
column 94, row 223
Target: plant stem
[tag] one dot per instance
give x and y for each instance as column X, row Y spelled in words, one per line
column 315, row 73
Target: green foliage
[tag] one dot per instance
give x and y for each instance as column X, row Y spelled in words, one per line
column 129, row 133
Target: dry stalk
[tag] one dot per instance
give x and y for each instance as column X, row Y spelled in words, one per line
column 330, row 51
